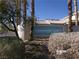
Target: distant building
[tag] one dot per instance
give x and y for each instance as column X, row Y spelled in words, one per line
column 64, row 20
column 50, row 22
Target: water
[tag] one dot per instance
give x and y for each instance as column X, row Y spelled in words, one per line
column 47, row 30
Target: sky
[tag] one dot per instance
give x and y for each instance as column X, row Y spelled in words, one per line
column 51, row 9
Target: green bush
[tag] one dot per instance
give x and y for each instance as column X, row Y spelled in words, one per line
column 11, row 48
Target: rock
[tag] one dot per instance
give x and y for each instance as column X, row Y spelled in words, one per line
column 60, row 52
column 36, row 51
column 64, row 45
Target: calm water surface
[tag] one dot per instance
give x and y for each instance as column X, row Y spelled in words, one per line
column 46, row 30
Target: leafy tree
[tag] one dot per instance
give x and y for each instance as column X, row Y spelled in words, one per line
column 8, row 14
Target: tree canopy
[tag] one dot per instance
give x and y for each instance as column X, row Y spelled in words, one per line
column 7, row 14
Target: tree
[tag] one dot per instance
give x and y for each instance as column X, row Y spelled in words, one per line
column 7, row 15
column 25, row 16
column 23, row 24
column 12, row 12
column 18, row 7
column 76, row 12
column 32, row 18
column 70, row 15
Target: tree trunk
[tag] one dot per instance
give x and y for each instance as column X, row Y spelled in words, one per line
column 76, row 12
column 70, row 15
column 24, row 16
column 32, row 19
column 18, row 2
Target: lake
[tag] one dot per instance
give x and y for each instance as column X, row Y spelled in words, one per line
column 47, row 30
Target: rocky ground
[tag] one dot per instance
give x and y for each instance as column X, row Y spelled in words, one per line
column 37, row 49
column 13, row 48
column 64, row 45
column 58, row 46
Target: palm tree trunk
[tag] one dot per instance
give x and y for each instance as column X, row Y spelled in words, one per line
column 32, row 19
column 25, row 3
column 70, row 15
column 18, row 11
column 32, row 8
column 76, row 12
column 24, row 16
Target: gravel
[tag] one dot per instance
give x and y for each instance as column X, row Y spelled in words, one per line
column 68, row 42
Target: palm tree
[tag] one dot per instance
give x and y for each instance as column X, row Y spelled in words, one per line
column 32, row 19
column 25, row 7
column 18, row 2
column 24, row 16
column 76, row 12
column 32, row 8
column 70, row 15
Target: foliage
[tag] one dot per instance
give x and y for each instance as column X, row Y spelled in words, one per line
column 7, row 14
column 6, row 10
column 11, row 48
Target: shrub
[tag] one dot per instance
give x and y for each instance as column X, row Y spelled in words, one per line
column 11, row 48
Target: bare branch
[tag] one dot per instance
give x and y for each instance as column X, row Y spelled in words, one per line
column 8, row 27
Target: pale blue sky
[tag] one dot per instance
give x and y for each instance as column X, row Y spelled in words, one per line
column 51, row 9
